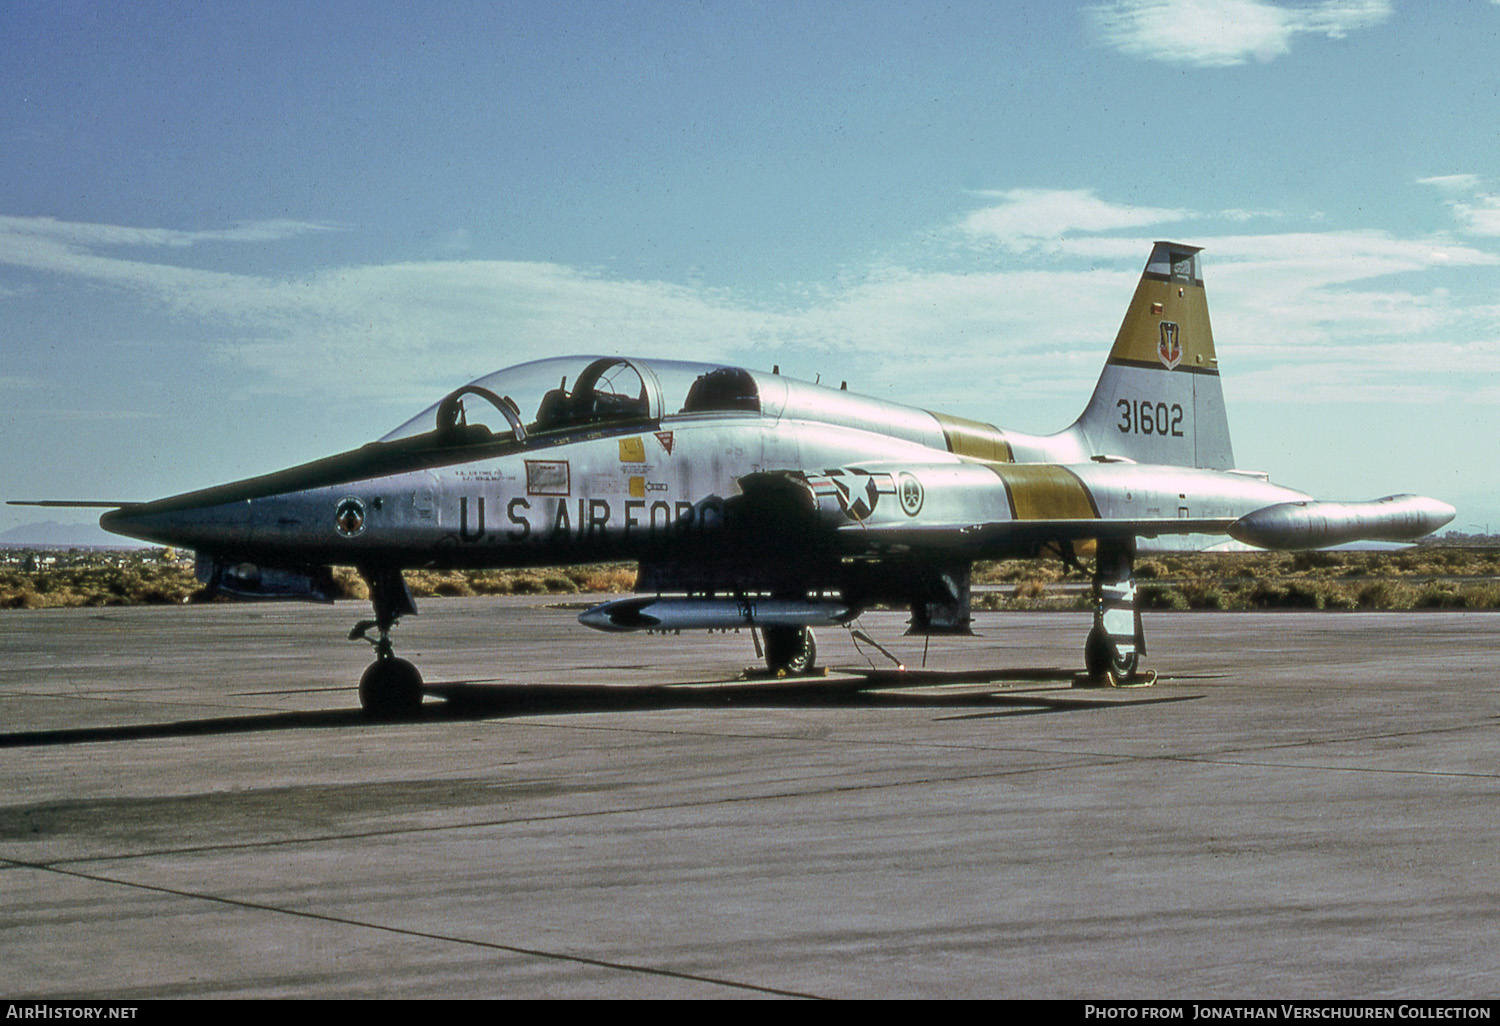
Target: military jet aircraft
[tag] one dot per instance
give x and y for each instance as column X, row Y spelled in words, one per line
column 753, row 499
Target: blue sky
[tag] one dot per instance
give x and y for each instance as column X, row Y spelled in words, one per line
column 237, row 236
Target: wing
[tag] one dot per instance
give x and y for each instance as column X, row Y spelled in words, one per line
column 983, row 540
column 71, row 503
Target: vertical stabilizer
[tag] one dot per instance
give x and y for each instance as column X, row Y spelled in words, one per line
column 1159, row 398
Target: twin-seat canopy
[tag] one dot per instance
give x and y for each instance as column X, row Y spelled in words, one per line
column 579, row 393
column 574, row 392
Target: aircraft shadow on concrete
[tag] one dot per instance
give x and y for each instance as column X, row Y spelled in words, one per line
column 484, row 699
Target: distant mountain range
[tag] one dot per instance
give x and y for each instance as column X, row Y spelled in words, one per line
column 50, row 534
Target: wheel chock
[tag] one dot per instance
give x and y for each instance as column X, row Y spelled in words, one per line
column 1141, row 680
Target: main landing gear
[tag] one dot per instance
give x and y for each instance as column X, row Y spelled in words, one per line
column 790, row 651
column 391, row 688
column 1116, row 642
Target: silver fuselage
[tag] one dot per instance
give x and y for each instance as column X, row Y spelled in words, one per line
column 633, row 487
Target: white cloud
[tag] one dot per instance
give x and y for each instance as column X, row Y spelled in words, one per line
column 1039, row 218
column 1477, row 212
column 1222, row 33
column 1235, row 214
column 1482, row 217
column 1320, row 259
column 1379, row 376
column 1453, row 183
column 73, row 233
column 1354, row 319
column 1036, row 322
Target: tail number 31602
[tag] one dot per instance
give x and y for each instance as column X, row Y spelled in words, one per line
column 1143, row 417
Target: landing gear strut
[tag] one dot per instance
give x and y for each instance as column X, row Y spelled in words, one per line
column 790, row 651
column 1116, row 642
column 391, row 688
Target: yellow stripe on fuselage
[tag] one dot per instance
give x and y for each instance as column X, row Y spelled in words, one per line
column 974, row 439
column 1045, row 491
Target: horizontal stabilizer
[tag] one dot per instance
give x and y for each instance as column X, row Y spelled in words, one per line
column 1316, row 525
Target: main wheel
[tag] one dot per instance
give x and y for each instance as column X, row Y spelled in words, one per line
column 790, row 650
column 1101, row 657
column 391, row 689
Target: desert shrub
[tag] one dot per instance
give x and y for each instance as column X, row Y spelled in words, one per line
column 1158, row 596
column 1339, row 598
column 453, row 586
column 527, row 585
column 1031, row 590
column 1301, row 595
column 608, row 578
column 1204, row 595
column 1436, row 595
column 350, row 585
column 1315, row 559
column 1266, row 595
column 989, row 601
column 1011, row 571
column 559, row 584
column 1379, row 595
column 22, row 598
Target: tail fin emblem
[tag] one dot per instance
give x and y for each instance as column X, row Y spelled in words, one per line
column 1169, row 348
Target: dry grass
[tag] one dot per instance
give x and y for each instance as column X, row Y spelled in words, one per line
column 1430, row 577
column 130, row 585
column 143, row 580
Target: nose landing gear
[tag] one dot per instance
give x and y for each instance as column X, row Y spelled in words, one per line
column 391, row 688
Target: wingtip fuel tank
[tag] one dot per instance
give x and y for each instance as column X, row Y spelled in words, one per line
column 1314, row 525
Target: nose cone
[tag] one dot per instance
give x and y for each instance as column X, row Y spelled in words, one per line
column 182, row 522
column 117, row 521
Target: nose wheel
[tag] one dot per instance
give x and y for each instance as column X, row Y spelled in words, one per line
column 390, row 688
